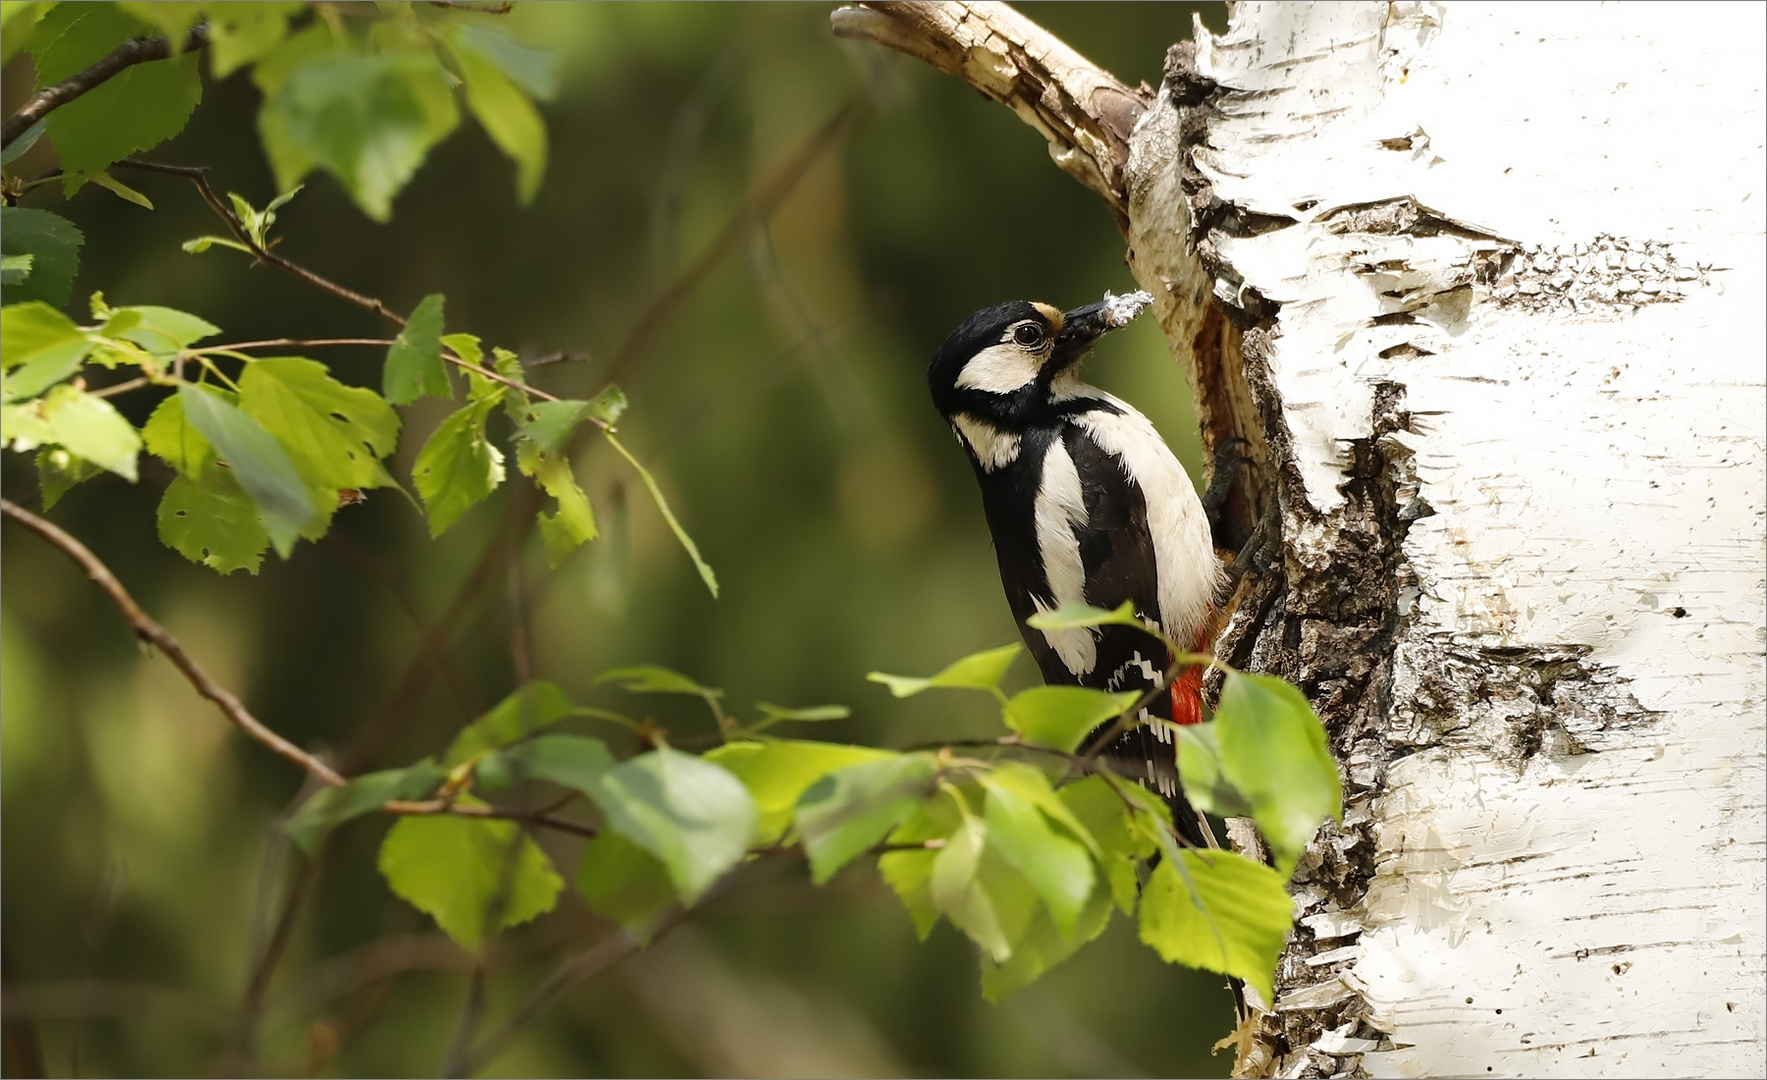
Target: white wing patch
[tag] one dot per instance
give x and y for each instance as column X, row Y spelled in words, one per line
column 991, row 446
column 1184, row 553
column 999, row 369
column 1060, row 509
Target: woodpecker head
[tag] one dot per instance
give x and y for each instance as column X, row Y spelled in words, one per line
column 1000, row 367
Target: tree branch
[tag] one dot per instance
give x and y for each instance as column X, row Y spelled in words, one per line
column 152, row 632
column 126, row 55
column 1083, row 110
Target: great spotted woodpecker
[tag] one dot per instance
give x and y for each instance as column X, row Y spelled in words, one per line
column 1086, row 504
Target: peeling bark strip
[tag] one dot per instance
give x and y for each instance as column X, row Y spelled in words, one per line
column 1481, row 284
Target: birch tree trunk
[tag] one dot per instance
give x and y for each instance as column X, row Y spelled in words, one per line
column 1483, row 286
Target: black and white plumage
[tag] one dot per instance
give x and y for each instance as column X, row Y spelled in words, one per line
column 1086, row 504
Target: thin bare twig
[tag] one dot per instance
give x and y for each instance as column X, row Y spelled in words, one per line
column 295, row 343
column 122, row 387
column 152, row 632
column 531, row 818
column 198, row 175
column 126, row 55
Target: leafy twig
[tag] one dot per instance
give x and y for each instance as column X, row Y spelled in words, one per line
column 152, row 632
column 525, row 817
column 126, row 55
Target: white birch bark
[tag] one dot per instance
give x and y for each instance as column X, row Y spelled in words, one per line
column 1515, row 253
column 1483, row 285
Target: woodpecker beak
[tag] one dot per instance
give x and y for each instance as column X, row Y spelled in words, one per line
column 1084, row 325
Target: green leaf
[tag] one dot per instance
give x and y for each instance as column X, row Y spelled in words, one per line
column 847, row 811
column 20, row 22
column 1199, row 767
column 573, row 523
column 978, row 671
column 171, row 437
column 1102, row 813
column 1061, row 716
column 91, row 428
column 656, row 495
column 368, row 120
column 241, row 33
column 465, row 346
column 58, row 472
column 289, row 160
column 203, row 243
column 694, row 816
column 910, row 873
column 53, row 243
column 40, row 347
column 335, row 434
column 774, row 714
column 171, row 18
column 1224, row 913
column 456, row 869
column 72, row 37
column 1076, row 616
column 980, row 893
column 608, row 405
column 1273, row 750
column 258, row 462
column 22, row 426
column 1043, row 946
column 15, row 268
column 577, row 762
column 209, row 519
column 506, row 114
column 136, row 109
column 457, row 466
column 653, row 679
column 531, row 707
column 1029, row 785
column 414, row 366
column 548, row 424
column 159, row 330
column 1059, row 869
column 330, row 807
column 778, row 771
column 113, row 185
column 625, row 883
column 533, row 69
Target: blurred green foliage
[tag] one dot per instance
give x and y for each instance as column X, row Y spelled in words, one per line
column 782, row 409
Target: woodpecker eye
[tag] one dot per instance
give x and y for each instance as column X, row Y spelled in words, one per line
column 1028, row 334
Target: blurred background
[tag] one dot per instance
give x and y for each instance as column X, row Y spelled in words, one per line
column 782, row 406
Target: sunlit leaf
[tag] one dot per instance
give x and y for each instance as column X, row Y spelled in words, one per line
column 662, row 505
column 39, row 347
column 548, row 424
column 117, row 187
column 457, row 466
column 1042, row 946
column 209, row 519
column 625, row 883
column 136, row 109
column 531, row 707
column 335, row 434
column 847, row 811
column 240, row 33
column 258, row 461
column 175, row 440
column 1224, row 913
column 1105, row 817
column 577, row 762
column 58, row 472
column 15, row 268
column 330, row 807
column 981, row 893
column 160, row 330
column 1273, row 750
column 695, row 817
column 414, row 366
column 171, row 18
column 978, row 671
column 462, row 871
column 91, row 428
column 22, row 426
column 652, row 679
column 506, row 114
column 608, row 405
column 777, row 772
column 533, row 69
column 1061, row 716
column 1199, row 767
column 572, row 524
column 368, row 120
column 1058, row 868
column 1076, row 616
column 910, row 873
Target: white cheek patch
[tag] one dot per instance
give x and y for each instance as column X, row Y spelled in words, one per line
column 1060, row 510
column 992, row 447
column 999, row 369
column 1184, row 554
